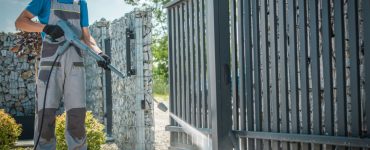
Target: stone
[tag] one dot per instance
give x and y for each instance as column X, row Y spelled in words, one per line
column 3, row 53
column 13, row 92
column 31, row 86
column 8, row 97
column 25, row 66
column 13, row 85
column 13, row 75
column 26, row 74
column 22, row 91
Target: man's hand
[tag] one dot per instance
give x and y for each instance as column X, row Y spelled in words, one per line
column 104, row 64
column 54, row 31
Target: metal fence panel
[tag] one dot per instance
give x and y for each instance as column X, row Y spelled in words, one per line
column 269, row 74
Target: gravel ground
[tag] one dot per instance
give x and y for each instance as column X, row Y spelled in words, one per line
column 109, row 146
column 161, row 120
column 162, row 137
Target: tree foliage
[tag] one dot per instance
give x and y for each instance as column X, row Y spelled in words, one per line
column 160, row 55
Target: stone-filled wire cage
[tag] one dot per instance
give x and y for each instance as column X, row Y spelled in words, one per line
column 17, row 71
column 128, row 41
column 18, row 59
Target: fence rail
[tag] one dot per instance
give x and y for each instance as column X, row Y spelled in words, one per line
column 269, row 74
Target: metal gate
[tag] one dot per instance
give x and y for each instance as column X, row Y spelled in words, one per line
column 269, row 74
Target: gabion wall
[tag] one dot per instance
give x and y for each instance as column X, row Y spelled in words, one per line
column 17, row 82
column 132, row 125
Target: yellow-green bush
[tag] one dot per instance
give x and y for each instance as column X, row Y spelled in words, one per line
column 9, row 130
column 94, row 132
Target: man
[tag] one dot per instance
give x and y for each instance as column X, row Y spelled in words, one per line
column 67, row 79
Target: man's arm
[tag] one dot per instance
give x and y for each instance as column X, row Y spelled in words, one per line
column 25, row 23
column 89, row 40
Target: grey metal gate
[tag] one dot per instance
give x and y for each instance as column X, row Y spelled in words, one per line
column 269, row 74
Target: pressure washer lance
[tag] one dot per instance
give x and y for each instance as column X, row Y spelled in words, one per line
column 70, row 39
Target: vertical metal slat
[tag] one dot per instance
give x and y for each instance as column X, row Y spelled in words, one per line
column 354, row 67
column 207, row 74
column 187, row 70
column 293, row 69
column 246, row 104
column 341, row 111
column 265, row 78
column 274, row 103
column 366, row 4
column 234, row 65
column 179, row 80
column 302, row 6
column 327, row 63
column 172, row 70
column 192, row 72
column 257, row 78
column 315, row 68
column 240, row 47
column 197, row 65
column 182, row 72
column 284, row 109
column 203, row 67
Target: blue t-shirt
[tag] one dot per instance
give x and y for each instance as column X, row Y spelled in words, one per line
column 41, row 9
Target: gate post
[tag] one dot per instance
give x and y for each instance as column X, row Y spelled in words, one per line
column 218, row 46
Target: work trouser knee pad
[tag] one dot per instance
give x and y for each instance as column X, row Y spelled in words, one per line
column 48, row 127
column 76, row 122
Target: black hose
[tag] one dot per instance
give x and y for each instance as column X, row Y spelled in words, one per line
column 44, row 104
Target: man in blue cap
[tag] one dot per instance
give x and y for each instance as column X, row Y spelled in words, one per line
column 67, row 79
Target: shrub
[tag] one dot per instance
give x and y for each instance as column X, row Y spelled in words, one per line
column 9, row 130
column 94, row 131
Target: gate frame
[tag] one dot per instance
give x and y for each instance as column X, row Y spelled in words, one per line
column 219, row 71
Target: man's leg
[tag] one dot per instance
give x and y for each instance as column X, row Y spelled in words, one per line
column 47, row 139
column 75, row 132
column 75, row 104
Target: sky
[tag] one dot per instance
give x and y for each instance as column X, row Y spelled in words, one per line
column 108, row 9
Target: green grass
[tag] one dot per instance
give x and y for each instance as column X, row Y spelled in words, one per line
column 160, row 89
column 162, row 98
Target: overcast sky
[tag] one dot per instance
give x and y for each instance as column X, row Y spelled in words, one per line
column 109, row 9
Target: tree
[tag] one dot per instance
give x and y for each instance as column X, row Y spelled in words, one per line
column 160, row 55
